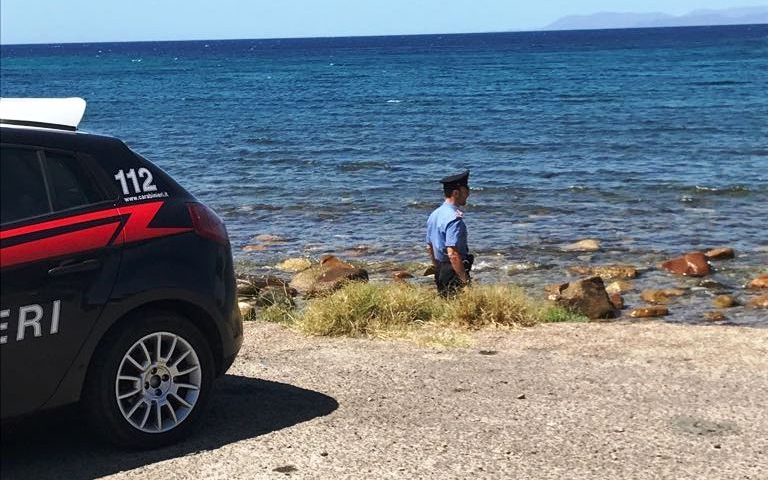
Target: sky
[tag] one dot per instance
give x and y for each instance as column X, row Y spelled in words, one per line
column 60, row 21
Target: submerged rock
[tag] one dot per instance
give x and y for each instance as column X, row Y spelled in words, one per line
column 714, row 316
column 587, row 297
column 586, row 245
column 692, row 264
column 724, row 301
column 649, row 312
column 605, row 271
column 254, row 248
column 759, row 302
column 619, row 286
column 329, row 275
column 713, row 285
column 294, row 264
column 358, row 251
column 661, row 296
column 722, row 253
column 759, row 282
column 269, row 238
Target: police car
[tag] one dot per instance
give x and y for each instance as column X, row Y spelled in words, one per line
column 117, row 285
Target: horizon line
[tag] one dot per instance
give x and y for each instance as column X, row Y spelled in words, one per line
column 538, row 30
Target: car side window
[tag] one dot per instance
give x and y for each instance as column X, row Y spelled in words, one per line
column 22, row 185
column 71, row 183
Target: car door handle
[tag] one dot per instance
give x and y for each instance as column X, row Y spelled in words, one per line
column 66, row 268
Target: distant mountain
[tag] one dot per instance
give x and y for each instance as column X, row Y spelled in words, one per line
column 730, row 16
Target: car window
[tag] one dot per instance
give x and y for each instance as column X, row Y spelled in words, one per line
column 22, row 186
column 71, row 183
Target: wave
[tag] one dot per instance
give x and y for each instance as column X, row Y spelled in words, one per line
column 260, row 141
column 714, row 83
column 364, row 165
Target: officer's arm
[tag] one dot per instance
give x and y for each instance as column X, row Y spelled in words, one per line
column 457, row 264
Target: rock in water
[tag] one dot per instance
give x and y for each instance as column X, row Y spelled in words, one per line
column 722, row 253
column 714, row 316
column 294, row 264
column 605, row 271
column 724, row 301
column 587, row 245
column 620, row 286
column 759, row 302
column 759, row 282
column 661, row 296
column 331, row 274
column 401, row 275
column 691, row 264
column 587, row 297
column 269, row 238
column 648, row 312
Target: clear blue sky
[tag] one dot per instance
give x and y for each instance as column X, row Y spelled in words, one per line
column 53, row 21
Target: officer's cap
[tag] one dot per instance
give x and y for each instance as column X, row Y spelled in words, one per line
column 456, row 181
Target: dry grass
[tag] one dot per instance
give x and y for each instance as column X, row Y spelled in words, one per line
column 417, row 312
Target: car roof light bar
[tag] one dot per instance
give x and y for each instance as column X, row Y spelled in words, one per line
column 59, row 113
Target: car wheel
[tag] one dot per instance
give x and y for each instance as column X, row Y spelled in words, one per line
column 150, row 382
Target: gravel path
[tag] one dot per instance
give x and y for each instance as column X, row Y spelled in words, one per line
column 601, row 400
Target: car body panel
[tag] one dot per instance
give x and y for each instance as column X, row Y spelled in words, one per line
column 136, row 251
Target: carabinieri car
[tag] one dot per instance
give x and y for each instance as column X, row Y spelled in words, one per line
column 117, row 285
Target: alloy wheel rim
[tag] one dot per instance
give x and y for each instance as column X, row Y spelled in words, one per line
column 158, row 382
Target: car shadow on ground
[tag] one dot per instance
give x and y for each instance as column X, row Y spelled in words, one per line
column 59, row 445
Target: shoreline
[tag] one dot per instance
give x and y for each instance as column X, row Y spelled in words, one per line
column 727, row 277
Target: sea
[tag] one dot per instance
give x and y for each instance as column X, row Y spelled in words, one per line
column 653, row 141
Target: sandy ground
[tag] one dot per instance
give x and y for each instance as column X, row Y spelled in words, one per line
column 604, row 400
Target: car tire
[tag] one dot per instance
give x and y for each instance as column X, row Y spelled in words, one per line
column 150, row 382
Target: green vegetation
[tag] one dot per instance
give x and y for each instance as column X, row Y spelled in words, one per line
column 416, row 312
column 555, row 313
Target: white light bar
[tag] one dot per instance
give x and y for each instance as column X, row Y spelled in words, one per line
column 43, row 112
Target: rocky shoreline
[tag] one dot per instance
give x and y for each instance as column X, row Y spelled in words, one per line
column 599, row 291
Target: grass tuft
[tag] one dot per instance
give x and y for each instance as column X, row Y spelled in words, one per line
column 493, row 305
column 557, row 313
column 279, row 313
column 365, row 309
column 402, row 310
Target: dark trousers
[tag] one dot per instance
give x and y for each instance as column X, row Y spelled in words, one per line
column 446, row 280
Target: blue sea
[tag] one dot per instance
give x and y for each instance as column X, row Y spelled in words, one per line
column 654, row 141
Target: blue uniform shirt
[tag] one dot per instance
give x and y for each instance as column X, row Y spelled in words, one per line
column 445, row 228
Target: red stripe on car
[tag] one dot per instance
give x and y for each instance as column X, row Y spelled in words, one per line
column 137, row 227
column 92, row 238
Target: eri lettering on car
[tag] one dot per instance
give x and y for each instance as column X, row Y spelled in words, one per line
column 30, row 316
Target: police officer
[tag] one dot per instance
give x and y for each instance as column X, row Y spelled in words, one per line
column 447, row 236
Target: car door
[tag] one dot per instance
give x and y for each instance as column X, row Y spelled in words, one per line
column 60, row 233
